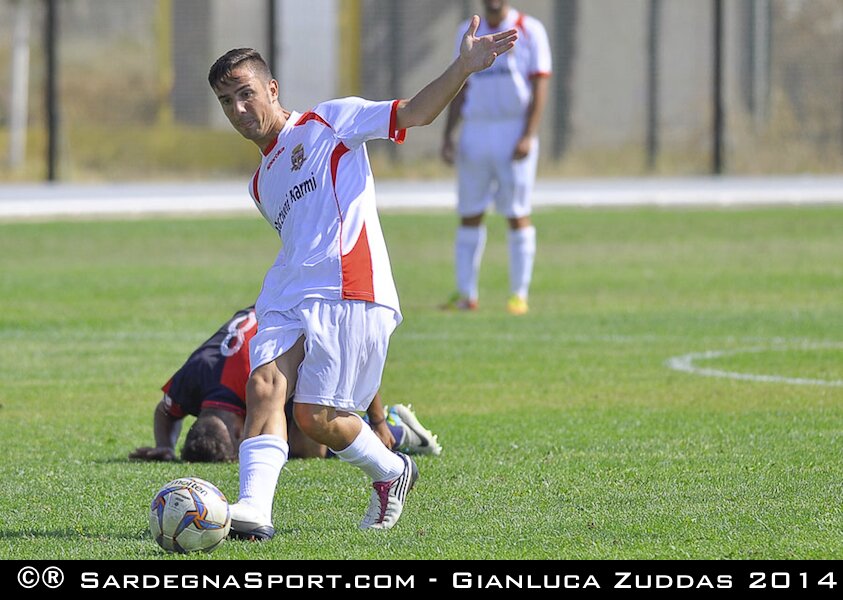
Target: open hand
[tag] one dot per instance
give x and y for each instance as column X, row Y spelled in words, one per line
column 147, row 453
column 478, row 53
column 522, row 148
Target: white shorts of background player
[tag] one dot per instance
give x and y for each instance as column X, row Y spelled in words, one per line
column 487, row 171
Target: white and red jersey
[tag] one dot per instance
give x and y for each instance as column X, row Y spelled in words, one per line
column 504, row 90
column 315, row 187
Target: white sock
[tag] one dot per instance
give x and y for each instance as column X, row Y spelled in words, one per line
column 522, row 252
column 261, row 460
column 471, row 241
column 369, row 453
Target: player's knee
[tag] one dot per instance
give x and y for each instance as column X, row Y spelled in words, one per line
column 310, row 418
column 473, row 221
column 264, row 388
column 519, row 222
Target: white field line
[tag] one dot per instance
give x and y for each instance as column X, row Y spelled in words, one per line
column 685, row 363
column 764, row 343
column 117, row 337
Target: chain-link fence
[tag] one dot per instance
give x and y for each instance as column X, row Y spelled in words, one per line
column 633, row 89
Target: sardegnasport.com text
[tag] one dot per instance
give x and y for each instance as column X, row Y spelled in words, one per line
column 429, row 579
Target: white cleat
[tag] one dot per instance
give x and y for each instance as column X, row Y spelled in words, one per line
column 387, row 500
column 247, row 523
column 420, row 440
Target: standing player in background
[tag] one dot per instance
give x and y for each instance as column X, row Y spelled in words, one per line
column 498, row 152
column 328, row 305
column 211, row 386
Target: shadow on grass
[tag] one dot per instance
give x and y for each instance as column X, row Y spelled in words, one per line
column 138, row 461
column 132, row 461
column 70, row 534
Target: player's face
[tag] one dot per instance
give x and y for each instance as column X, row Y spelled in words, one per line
column 494, row 6
column 249, row 102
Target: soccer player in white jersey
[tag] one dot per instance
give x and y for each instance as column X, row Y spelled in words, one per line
column 498, row 152
column 328, row 304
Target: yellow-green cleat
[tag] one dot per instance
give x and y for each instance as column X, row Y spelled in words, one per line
column 517, row 306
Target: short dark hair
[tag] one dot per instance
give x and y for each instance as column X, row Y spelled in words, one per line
column 237, row 57
column 208, row 441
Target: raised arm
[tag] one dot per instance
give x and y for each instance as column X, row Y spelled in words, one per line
column 476, row 54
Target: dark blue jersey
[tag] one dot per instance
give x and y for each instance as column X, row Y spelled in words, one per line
column 215, row 375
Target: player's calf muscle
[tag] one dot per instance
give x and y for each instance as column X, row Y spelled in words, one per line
column 266, row 392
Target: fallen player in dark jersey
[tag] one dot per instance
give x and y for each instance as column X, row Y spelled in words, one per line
column 211, row 385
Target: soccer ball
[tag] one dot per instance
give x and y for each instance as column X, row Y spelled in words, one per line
column 189, row 515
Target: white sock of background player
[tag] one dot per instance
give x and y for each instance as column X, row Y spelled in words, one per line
column 522, row 253
column 471, row 241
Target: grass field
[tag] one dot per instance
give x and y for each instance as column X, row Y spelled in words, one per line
column 566, row 436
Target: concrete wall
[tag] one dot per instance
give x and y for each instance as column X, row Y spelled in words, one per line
column 308, row 58
column 203, row 30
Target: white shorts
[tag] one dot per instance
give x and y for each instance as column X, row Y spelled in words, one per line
column 486, row 170
column 344, row 348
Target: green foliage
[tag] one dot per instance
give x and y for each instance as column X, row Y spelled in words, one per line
column 565, row 435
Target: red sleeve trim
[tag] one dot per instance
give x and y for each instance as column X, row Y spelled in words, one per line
column 170, row 406
column 396, row 136
column 540, row 74
column 173, row 409
column 519, row 25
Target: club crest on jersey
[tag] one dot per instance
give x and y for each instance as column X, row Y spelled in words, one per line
column 297, row 158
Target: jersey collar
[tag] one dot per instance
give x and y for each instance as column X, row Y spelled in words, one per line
column 291, row 120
